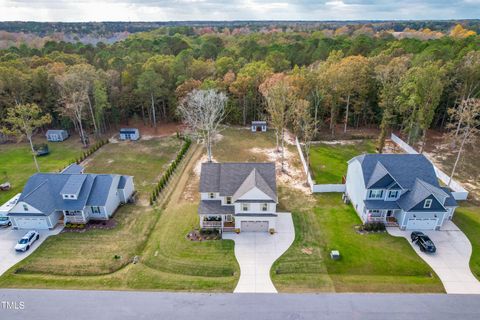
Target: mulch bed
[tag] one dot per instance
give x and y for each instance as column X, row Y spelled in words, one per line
column 197, row 235
column 100, row 224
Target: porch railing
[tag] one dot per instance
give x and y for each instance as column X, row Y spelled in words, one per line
column 212, row 224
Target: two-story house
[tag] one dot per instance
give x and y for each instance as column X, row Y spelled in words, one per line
column 398, row 189
column 69, row 197
column 239, row 196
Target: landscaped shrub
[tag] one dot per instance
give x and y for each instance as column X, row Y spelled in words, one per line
column 373, row 226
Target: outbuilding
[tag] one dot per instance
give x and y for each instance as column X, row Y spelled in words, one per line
column 259, row 126
column 56, row 135
column 129, row 134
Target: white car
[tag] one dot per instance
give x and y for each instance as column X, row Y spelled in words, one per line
column 5, row 222
column 27, row 240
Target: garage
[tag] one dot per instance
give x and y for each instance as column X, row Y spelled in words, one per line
column 422, row 224
column 254, row 226
column 38, row 223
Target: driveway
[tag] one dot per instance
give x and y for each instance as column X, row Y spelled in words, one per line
column 451, row 261
column 9, row 237
column 257, row 251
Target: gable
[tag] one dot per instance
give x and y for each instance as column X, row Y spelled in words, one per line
column 254, row 194
column 19, row 208
column 382, row 183
column 435, row 207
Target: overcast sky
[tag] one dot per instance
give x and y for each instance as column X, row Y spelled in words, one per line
column 167, row 10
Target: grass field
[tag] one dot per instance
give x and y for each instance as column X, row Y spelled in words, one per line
column 467, row 218
column 328, row 162
column 16, row 162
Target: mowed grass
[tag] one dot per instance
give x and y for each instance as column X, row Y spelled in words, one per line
column 467, row 218
column 16, row 162
column 328, row 162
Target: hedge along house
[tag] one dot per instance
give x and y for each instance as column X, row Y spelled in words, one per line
column 259, row 126
column 129, row 134
column 398, row 190
column 240, row 196
column 56, row 135
column 49, row 198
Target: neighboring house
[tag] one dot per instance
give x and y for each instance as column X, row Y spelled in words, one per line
column 239, row 196
column 399, row 190
column 260, row 126
column 56, row 135
column 129, row 134
column 49, row 198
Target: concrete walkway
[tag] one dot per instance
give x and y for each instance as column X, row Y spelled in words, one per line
column 257, row 251
column 9, row 238
column 451, row 261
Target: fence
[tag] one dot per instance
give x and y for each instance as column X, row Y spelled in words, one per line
column 316, row 188
column 458, row 191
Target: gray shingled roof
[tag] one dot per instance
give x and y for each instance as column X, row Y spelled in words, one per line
column 254, row 179
column 227, row 178
column 214, row 207
column 73, row 169
column 380, row 204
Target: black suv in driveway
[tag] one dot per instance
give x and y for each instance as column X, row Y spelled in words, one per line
column 423, row 242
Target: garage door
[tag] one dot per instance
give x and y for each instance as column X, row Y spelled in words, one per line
column 254, row 226
column 422, row 224
column 31, row 223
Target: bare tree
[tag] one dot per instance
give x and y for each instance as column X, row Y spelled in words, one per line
column 305, row 125
column 203, row 111
column 468, row 115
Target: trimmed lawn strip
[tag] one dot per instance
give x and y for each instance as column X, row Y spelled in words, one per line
column 468, row 219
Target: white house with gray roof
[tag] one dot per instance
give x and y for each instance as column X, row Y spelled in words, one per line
column 69, row 197
column 239, row 196
column 399, row 190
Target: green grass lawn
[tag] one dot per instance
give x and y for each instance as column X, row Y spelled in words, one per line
column 328, row 162
column 467, row 218
column 16, row 162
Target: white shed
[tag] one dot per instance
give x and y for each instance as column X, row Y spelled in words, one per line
column 259, row 126
column 129, row 134
column 56, row 135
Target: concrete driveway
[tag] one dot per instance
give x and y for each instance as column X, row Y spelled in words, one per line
column 257, row 251
column 9, row 237
column 451, row 261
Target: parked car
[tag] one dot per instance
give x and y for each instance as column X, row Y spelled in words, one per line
column 423, row 242
column 5, row 222
column 27, row 240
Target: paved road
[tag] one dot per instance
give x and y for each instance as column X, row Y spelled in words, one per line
column 99, row 305
column 257, row 251
column 451, row 262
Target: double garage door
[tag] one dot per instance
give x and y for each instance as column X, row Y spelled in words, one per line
column 254, row 226
column 31, row 223
column 422, row 224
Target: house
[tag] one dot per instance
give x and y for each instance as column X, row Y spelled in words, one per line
column 398, row 189
column 49, row 198
column 239, row 196
column 56, row 135
column 259, row 126
column 129, row 134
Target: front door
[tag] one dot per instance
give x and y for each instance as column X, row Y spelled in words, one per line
column 389, row 213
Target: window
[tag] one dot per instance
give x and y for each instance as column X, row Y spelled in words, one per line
column 393, row 194
column 228, row 218
column 25, row 207
column 72, row 196
column 375, row 213
column 211, row 195
column 244, row 206
column 375, row 194
column 228, row 200
column 428, row 204
column 264, row 206
column 95, row 209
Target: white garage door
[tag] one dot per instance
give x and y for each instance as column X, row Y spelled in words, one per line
column 31, row 223
column 422, row 224
column 254, row 226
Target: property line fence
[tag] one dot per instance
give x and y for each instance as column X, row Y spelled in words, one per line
column 458, row 191
column 316, row 188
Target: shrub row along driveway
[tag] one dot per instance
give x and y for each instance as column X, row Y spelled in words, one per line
column 451, row 261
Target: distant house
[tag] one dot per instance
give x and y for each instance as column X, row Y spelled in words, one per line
column 129, row 134
column 259, row 126
column 56, row 135
column 49, row 198
column 239, row 196
column 398, row 189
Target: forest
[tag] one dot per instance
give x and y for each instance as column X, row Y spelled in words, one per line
column 334, row 79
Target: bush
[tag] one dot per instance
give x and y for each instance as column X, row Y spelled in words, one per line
column 374, row 226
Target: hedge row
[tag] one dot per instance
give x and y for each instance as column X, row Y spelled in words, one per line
column 162, row 183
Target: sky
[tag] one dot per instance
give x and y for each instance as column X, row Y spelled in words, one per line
column 170, row 10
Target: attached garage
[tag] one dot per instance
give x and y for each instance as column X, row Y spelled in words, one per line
column 422, row 223
column 254, row 226
column 37, row 223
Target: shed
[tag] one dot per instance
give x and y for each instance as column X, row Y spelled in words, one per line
column 56, row 135
column 259, row 126
column 129, row 134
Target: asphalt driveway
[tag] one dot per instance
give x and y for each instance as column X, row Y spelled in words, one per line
column 9, row 237
column 257, row 251
column 451, row 261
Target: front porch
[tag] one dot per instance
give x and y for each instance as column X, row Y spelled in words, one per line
column 389, row 217
column 225, row 223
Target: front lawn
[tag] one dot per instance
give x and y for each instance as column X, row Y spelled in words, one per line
column 328, row 161
column 468, row 219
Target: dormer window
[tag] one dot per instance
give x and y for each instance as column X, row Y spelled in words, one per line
column 427, row 204
column 375, row 194
column 211, row 195
column 393, row 194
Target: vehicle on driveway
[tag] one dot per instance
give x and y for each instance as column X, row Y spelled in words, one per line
column 5, row 222
column 423, row 242
column 27, row 240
